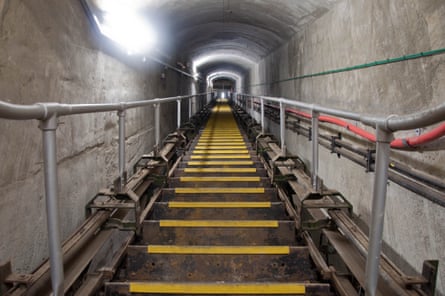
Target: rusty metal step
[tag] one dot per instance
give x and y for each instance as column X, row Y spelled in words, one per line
column 170, row 194
column 219, row 210
column 220, row 171
column 216, row 288
column 265, row 232
column 219, row 182
column 219, row 263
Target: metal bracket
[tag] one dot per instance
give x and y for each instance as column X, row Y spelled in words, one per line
column 123, row 225
column 429, row 272
column 314, row 201
column 370, row 159
column 334, row 144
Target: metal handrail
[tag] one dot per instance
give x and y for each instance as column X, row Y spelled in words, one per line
column 385, row 127
column 392, row 123
column 48, row 114
column 42, row 111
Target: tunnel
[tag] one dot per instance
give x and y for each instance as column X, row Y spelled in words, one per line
column 222, row 147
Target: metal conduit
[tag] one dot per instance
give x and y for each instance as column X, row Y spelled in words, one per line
column 360, row 66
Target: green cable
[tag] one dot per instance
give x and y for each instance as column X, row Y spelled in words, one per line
column 362, row 66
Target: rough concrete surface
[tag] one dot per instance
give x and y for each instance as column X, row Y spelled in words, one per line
column 356, row 32
column 49, row 52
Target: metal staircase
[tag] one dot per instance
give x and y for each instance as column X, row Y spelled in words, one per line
column 219, row 228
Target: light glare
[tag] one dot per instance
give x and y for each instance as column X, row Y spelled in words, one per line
column 126, row 27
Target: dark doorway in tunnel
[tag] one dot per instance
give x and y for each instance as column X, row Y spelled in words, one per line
column 224, row 84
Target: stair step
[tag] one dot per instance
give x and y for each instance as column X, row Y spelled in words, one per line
column 294, row 265
column 216, row 190
column 216, row 288
column 170, row 194
column 224, row 163
column 220, row 151
column 218, row 156
column 220, row 147
column 217, row 233
column 218, row 250
column 218, row 210
column 220, row 141
column 220, row 171
column 218, row 182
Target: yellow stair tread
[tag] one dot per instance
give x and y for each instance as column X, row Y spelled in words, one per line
column 220, row 156
column 238, row 190
column 218, row 250
column 220, row 147
column 220, row 170
column 221, row 143
column 220, row 140
column 217, row 288
column 220, row 223
column 219, row 204
column 220, row 179
column 225, row 151
column 221, row 162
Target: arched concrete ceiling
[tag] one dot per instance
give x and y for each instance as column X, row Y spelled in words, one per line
column 240, row 30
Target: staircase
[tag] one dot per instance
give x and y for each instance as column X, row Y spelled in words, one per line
column 219, row 228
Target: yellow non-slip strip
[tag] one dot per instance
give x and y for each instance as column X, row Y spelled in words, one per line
column 225, row 151
column 221, row 133
column 219, row 250
column 219, row 223
column 220, row 156
column 220, row 147
column 220, row 170
column 238, row 190
column 219, row 204
column 222, row 162
column 220, row 179
column 217, row 288
column 221, row 142
column 220, row 138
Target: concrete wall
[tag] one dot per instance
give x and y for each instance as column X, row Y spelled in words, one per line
column 48, row 52
column 356, row 32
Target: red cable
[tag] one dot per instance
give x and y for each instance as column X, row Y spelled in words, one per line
column 420, row 140
column 411, row 142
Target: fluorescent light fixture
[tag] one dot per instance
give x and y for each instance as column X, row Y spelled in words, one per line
column 126, row 27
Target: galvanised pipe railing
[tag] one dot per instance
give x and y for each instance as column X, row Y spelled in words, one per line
column 385, row 128
column 48, row 113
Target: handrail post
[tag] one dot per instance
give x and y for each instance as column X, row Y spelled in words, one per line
column 122, row 173
column 315, row 157
column 49, row 127
column 262, row 116
column 252, row 100
column 190, row 106
column 283, row 129
column 383, row 138
column 178, row 114
column 157, row 126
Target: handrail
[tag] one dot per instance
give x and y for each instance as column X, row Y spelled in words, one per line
column 391, row 123
column 385, row 128
column 42, row 111
column 399, row 143
column 48, row 114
